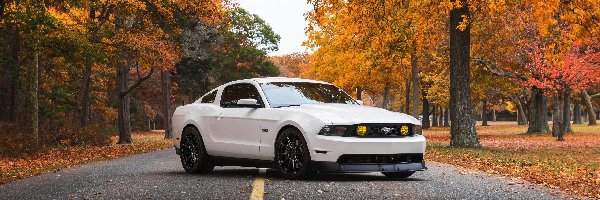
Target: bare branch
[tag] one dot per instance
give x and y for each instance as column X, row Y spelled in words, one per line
column 137, row 83
column 497, row 70
column 595, row 95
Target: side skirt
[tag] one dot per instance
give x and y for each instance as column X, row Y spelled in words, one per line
column 243, row 162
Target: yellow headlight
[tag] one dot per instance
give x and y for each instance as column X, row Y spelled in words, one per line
column 404, row 130
column 361, row 130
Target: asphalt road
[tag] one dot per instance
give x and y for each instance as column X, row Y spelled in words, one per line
column 158, row 175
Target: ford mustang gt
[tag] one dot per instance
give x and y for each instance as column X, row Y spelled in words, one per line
column 296, row 126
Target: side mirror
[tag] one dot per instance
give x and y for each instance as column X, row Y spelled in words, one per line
column 248, row 103
column 360, row 102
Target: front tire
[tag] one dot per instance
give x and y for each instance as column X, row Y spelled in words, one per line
column 194, row 158
column 398, row 174
column 292, row 157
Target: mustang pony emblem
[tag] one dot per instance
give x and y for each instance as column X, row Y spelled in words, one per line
column 386, row 130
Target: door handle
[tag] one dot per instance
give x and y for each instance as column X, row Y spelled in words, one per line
column 219, row 116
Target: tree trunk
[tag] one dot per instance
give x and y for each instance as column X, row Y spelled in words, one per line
column 577, row 114
column 484, row 121
column 557, row 121
column 166, row 96
column 447, row 118
column 521, row 117
column 425, row 120
column 494, row 115
column 440, row 116
column 386, row 95
column 415, row 82
column 407, row 98
column 123, row 104
column 434, row 119
column 538, row 112
column 14, row 85
column 567, row 112
column 29, row 120
column 462, row 131
column 85, row 97
column 359, row 93
column 589, row 108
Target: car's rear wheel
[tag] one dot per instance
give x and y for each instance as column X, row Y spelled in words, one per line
column 193, row 154
column 292, row 157
column 397, row 174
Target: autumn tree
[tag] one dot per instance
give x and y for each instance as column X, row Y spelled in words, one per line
column 461, row 113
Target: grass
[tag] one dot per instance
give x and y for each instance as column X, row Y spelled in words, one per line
column 63, row 157
column 572, row 165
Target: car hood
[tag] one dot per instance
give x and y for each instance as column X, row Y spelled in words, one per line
column 352, row 114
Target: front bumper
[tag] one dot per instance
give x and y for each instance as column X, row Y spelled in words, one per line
column 331, row 153
column 325, row 166
column 331, row 148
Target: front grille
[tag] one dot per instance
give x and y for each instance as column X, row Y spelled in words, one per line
column 386, row 130
column 380, row 159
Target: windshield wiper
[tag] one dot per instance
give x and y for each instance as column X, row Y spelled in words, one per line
column 290, row 105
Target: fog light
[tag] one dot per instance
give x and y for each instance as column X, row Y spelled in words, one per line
column 404, row 130
column 361, row 130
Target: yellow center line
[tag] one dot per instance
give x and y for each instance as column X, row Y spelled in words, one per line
column 258, row 187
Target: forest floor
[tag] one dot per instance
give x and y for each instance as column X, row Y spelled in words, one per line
column 12, row 168
column 572, row 165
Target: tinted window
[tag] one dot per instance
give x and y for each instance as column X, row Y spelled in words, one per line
column 210, row 97
column 281, row 94
column 239, row 91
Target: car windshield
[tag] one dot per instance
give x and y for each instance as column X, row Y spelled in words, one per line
column 282, row 94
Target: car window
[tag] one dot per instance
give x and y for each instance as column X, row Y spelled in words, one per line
column 239, row 91
column 281, row 94
column 209, row 98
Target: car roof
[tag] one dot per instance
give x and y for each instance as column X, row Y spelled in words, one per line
column 285, row 79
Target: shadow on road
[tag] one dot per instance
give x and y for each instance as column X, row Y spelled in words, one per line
column 274, row 174
column 342, row 177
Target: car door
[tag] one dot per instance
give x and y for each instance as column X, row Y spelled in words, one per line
column 235, row 130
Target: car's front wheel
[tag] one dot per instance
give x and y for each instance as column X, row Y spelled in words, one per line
column 193, row 154
column 397, row 174
column 292, row 157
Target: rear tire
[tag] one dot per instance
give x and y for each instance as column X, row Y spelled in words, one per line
column 194, row 158
column 397, row 174
column 292, row 157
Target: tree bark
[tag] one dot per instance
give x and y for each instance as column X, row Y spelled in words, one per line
column 407, row 98
column 567, row 112
column 440, row 116
column 589, row 108
column 484, row 121
column 14, row 85
column 415, row 82
column 447, row 118
column 521, row 117
column 85, row 97
column 462, row 131
column 359, row 93
column 166, row 96
column 557, row 121
column 29, row 106
column 123, row 104
column 386, row 95
column 434, row 119
column 538, row 112
column 425, row 120
column 577, row 114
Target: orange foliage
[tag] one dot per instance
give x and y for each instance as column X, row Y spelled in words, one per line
column 571, row 165
column 64, row 157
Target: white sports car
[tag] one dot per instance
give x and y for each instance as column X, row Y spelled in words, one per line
column 297, row 126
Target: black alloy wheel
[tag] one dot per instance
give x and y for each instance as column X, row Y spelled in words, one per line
column 397, row 174
column 292, row 157
column 193, row 154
